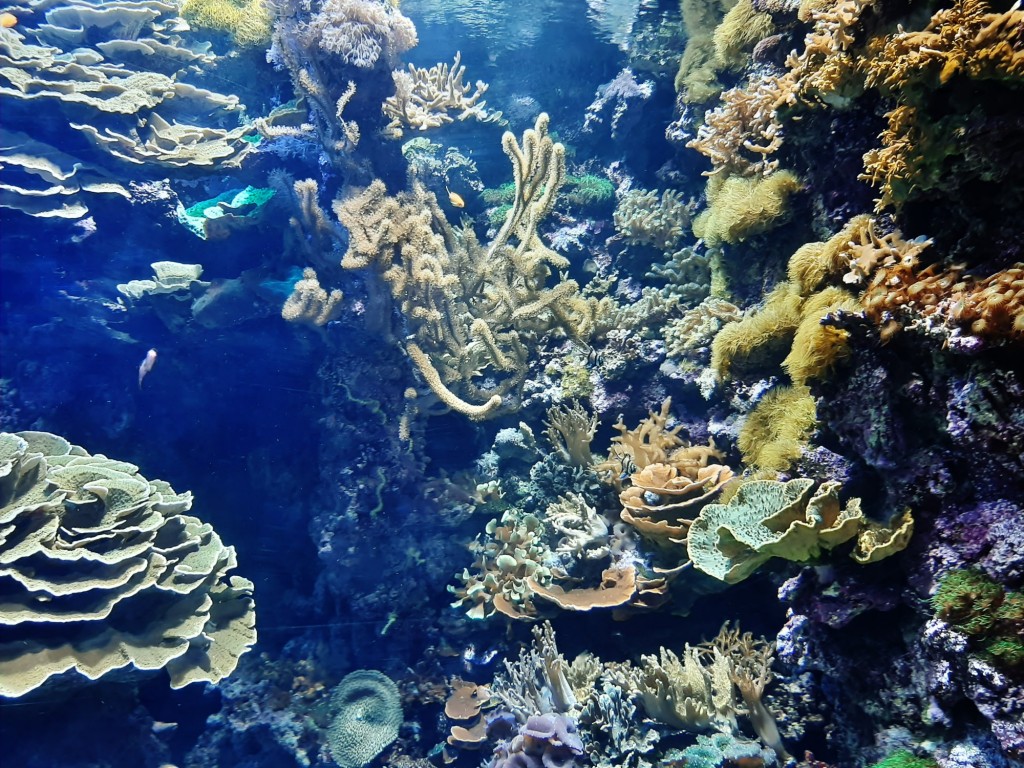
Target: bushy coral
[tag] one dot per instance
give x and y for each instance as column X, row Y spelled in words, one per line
column 905, row 759
column 985, row 611
column 247, row 21
column 774, row 433
column 740, row 207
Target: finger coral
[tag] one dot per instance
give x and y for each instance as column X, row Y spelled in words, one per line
column 102, row 569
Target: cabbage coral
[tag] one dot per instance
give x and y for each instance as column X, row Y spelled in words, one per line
column 101, row 569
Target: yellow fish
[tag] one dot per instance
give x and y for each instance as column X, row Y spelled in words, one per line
column 8, row 20
column 455, row 199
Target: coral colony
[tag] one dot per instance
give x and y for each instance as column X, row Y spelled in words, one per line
column 662, row 410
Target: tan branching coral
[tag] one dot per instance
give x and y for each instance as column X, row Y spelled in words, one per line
column 309, row 304
column 424, row 98
column 471, row 309
column 103, row 569
column 750, row 669
column 741, row 134
column 540, row 680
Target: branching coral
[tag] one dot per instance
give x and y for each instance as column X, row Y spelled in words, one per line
column 309, row 304
column 645, row 219
column 360, row 32
column 423, row 98
column 102, row 570
column 471, row 309
column 741, row 134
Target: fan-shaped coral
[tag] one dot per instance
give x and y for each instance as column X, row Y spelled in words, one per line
column 101, row 569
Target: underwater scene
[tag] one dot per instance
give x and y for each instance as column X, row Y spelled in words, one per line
column 512, row 384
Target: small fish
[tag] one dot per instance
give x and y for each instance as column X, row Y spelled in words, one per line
column 8, row 20
column 147, row 365
column 455, row 199
column 162, row 727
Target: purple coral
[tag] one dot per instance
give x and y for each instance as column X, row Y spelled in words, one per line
column 546, row 741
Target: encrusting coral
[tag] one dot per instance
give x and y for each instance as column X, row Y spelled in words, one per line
column 102, row 570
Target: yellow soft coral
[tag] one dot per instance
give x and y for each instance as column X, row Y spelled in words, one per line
column 247, row 21
column 740, row 207
column 774, row 433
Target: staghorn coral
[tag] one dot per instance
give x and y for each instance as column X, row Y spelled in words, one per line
column 424, row 97
column 102, row 570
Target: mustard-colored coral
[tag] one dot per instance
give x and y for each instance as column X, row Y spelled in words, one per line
column 740, row 30
column 759, row 339
column 247, row 21
column 697, row 78
column 818, row 344
column 774, row 433
column 740, row 207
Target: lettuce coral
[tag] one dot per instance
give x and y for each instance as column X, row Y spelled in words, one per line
column 768, row 519
column 103, row 569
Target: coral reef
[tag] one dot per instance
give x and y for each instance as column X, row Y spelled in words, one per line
column 104, row 570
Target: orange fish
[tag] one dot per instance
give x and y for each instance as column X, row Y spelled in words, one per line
column 8, row 20
column 455, row 199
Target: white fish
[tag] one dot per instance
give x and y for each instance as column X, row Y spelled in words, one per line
column 147, row 365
